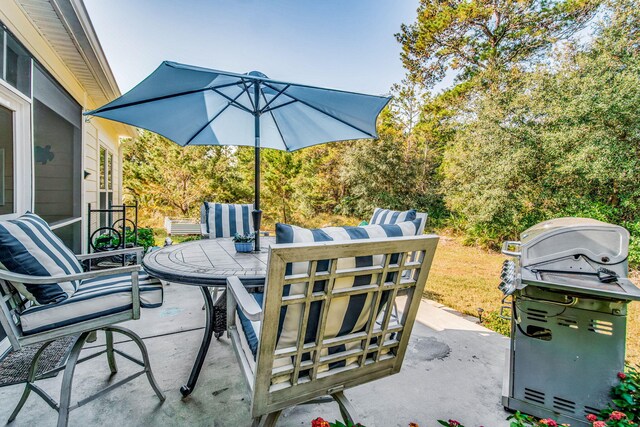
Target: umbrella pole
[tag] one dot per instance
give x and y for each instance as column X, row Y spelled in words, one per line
column 257, row 213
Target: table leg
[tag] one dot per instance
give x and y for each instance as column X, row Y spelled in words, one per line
column 188, row 388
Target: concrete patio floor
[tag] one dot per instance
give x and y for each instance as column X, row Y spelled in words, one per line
column 453, row 369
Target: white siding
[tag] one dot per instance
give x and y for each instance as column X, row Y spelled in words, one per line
column 95, row 135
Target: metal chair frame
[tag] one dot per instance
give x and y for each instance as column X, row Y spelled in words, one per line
column 13, row 304
column 382, row 343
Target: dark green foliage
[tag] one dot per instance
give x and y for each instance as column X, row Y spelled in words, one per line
column 474, row 37
column 561, row 140
column 106, row 241
column 145, row 238
column 624, row 395
column 111, row 240
column 244, row 238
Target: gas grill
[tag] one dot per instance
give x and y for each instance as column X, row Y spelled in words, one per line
column 567, row 279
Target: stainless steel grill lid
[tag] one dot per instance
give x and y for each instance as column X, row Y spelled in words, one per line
column 603, row 243
column 573, row 255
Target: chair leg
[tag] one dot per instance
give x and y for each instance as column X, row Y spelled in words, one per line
column 67, row 379
column 111, row 356
column 145, row 357
column 268, row 420
column 93, row 337
column 346, row 410
column 31, row 377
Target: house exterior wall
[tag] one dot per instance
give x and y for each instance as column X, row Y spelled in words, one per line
column 94, row 133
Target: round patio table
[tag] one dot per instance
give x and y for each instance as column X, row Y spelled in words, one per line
column 207, row 263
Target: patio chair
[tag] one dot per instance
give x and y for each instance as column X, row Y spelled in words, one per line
column 387, row 216
column 219, row 220
column 338, row 293
column 79, row 304
column 225, row 220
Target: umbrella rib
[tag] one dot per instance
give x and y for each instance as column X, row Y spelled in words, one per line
column 266, row 107
column 281, row 105
column 232, row 101
column 211, row 121
column 160, row 98
column 145, row 101
column 275, row 122
column 324, row 112
column 246, row 90
column 279, row 131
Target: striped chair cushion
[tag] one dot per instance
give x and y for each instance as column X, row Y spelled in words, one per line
column 346, row 314
column 28, row 246
column 225, row 220
column 97, row 297
column 251, row 329
column 387, row 216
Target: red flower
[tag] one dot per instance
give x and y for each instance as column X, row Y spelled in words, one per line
column 617, row 415
column 592, row 418
column 319, row 422
column 548, row 422
column 599, row 424
column 622, row 375
column 453, row 423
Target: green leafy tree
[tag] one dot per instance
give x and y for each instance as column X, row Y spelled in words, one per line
column 473, row 36
column 168, row 179
column 279, row 170
column 561, row 140
column 388, row 172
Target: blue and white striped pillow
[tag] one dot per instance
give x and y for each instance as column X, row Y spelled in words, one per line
column 348, row 315
column 225, row 220
column 387, row 216
column 28, row 246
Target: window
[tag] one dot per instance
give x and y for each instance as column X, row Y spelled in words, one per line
column 15, row 63
column 6, row 161
column 106, row 185
column 57, row 123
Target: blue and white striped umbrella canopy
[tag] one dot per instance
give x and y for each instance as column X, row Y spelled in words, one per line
column 199, row 106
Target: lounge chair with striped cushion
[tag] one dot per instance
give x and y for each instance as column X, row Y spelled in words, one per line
column 46, row 295
column 323, row 323
column 225, row 220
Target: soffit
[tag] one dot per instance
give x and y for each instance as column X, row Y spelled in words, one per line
column 65, row 25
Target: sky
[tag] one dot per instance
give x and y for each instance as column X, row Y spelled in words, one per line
column 341, row 44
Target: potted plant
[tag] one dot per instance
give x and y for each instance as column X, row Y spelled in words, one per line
column 244, row 242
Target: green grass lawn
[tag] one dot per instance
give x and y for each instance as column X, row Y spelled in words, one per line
column 466, row 278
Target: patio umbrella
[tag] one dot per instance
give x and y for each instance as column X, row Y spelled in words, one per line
column 198, row 106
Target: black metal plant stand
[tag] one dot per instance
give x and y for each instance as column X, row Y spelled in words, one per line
column 107, row 228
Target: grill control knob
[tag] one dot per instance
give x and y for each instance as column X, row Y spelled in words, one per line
column 507, row 276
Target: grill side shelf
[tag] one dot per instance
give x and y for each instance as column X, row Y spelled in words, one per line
column 623, row 289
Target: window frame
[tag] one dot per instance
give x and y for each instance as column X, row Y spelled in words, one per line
column 20, row 105
column 104, row 188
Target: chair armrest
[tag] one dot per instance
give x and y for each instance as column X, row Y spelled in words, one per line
column 137, row 251
column 247, row 305
column 41, row 280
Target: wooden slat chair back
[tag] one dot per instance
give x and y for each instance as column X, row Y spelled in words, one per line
column 423, row 217
column 14, row 304
column 329, row 363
